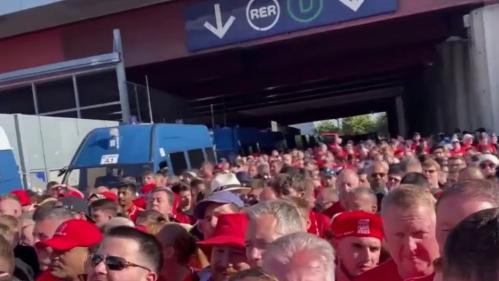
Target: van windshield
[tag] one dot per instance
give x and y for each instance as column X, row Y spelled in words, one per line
column 109, row 175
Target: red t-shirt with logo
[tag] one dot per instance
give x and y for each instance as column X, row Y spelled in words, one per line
column 333, row 210
column 319, row 224
column 386, row 271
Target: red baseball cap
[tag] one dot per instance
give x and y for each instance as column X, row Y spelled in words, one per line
column 230, row 231
column 73, row 193
column 106, row 195
column 357, row 224
column 73, row 233
column 23, row 196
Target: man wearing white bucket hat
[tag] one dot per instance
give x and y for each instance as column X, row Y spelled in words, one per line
column 488, row 164
column 226, row 182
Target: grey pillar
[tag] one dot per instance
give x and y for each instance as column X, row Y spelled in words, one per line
column 402, row 123
column 484, row 57
column 121, row 77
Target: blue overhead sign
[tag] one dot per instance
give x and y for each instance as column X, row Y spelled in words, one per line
column 217, row 23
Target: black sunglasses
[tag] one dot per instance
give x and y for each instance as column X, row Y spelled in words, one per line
column 489, row 165
column 113, row 262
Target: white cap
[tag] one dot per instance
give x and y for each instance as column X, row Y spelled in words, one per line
column 489, row 157
column 468, row 136
column 226, row 182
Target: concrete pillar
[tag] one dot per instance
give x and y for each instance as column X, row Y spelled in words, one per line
column 453, row 86
column 402, row 123
column 484, row 63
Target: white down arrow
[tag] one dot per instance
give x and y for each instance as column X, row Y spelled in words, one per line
column 221, row 29
column 354, row 5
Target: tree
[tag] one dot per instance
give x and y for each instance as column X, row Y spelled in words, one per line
column 326, row 127
column 358, row 125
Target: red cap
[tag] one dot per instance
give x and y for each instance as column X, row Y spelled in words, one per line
column 73, row 193
column 230, row 231
column 106, row 195
column 22, row 196
column 357, row 224
column 73, row 233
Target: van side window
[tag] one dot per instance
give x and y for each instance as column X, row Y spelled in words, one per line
column 210, row 154
column 196, row 158
column 179, row 163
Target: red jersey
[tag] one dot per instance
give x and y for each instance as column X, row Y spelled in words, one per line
column 425, row 278
column 182, row 217
column 140, row 202
column 333, row 210
column 133, row 212
column 487, row 148
column 192, row 276
column 386, row 271
column 456, row 152
column 46, row 276
column 319, row 224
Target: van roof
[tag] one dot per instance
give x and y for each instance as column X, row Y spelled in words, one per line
column 137, row 141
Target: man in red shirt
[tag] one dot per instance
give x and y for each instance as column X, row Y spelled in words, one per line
column 70, row 249
column 346, row 182
column 267, row 222
column 457, row 203
column 409, row 226
column 357, row 237
column 467, row 143
column 126, row 196
column 227, row 247
column 300, row 256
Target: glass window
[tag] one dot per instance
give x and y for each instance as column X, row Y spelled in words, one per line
column 69, row 114
column 18, row 100
column 178, row 162
column 97, row 88
column 210, row 154
column 196, row 158
column 55, row 95
column 110, row 176
column 111, row 112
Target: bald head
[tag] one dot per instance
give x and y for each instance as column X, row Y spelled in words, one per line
column 362, row 199
column 412, row 166
column 346, row 182
column 378, row 174
column 470, row 173
column 11, row 207
column 460, row 201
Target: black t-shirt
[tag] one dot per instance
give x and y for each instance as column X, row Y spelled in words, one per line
column 28, row 255
column 23, row 271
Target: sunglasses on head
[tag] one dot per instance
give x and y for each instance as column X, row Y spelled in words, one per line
column 113, row 262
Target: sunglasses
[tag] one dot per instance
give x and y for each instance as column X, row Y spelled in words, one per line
column 430, row 171
column 113, row 262
column 490, row 165
column 375, row 175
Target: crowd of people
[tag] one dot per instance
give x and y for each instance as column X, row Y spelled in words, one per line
column 387, row 210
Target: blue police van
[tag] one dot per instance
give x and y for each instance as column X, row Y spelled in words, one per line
column 9, row 171
column 108, row 155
